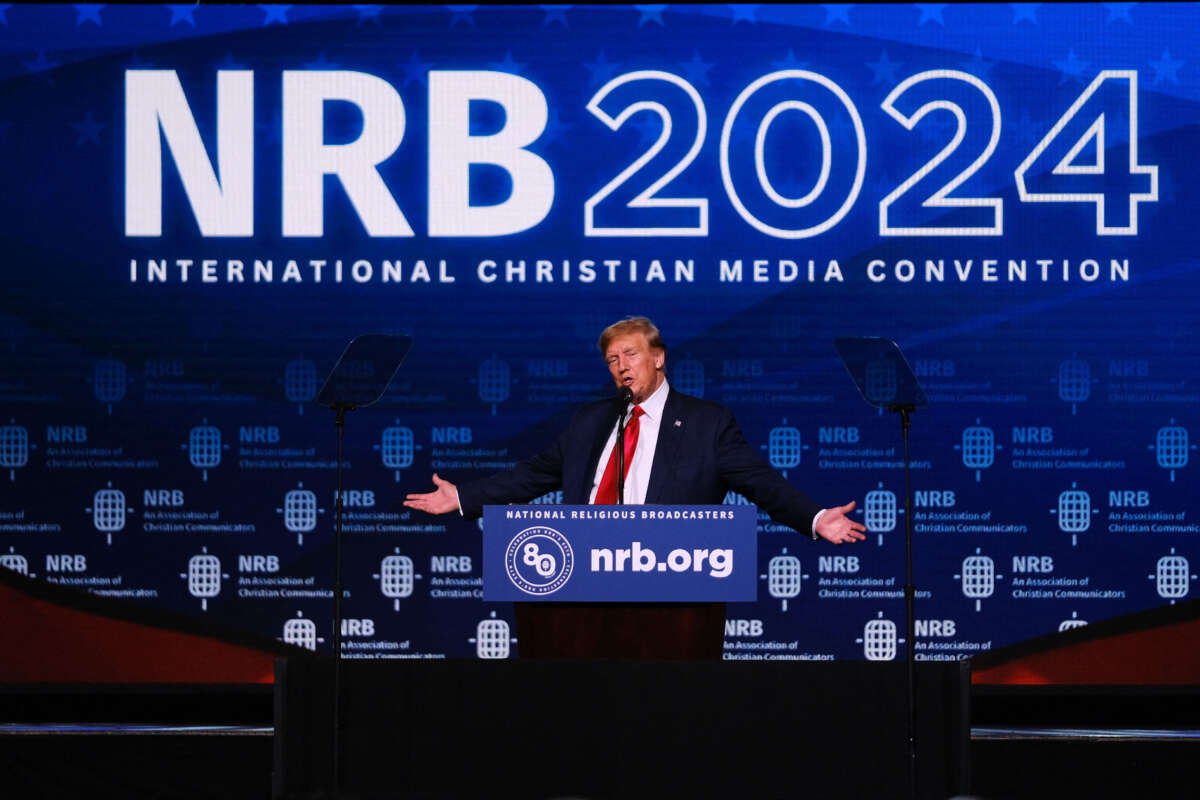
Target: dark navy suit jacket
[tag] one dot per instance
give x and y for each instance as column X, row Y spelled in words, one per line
column 701, row 454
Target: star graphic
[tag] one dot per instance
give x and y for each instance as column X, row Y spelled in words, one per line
column 273, row 130
column 602, row 69
column 937, row 127
column 880, row 187
column 1025, row 11
column 1166, row 69
column 228, row 63
column 650, row 14
column 88, row 12
column 743, row 137
column 39, row 64
column 790, row 62
column 841, row 129
column 462, row 14
column 697, row 70
column 369, row 14
column 1024, row 129
column 88, row 130
column 508, row 65
column 1117, row 129
column 137, row 62
column 977, row 66
column 414, row 70
column 884, row 69
column 181, row 13
column 1119, row 11
column 742, row 11
column 837, row 12
column 275, row 13
column 556, row 130
column 931, row 12
column 649, row 127
column 555, row 14
column 1071, row 68
column 321, row 63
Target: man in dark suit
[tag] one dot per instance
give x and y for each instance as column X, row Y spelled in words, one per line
column 678, row 450
column 687, row 451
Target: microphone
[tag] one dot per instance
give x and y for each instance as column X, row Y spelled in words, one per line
column 624, row 398
column 621, row 402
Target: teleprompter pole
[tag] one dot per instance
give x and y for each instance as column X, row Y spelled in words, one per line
column 340, row 422
column 910, row 592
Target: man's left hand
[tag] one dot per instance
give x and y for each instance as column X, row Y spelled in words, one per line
column 834, row 526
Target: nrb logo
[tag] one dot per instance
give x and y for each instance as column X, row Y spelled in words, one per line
column 108, row 511
column 1171, row 447
column 978, row 448
column 495, row 381
column 204, row 576
column 784, row 447
column 881, row 381
column 300, row 382
column 300, row 512
column 539, row 560
column 109, row 379
column 14, row 449
column 204, row 447
column 493, row 638
column 397, row 575
column 396, row 447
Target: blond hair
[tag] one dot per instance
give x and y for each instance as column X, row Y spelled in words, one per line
column 629, row 325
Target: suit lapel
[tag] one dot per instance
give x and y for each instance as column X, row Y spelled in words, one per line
column 602, row 428
column 670, row 435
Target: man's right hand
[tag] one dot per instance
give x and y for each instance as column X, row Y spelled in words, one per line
column 442, row 500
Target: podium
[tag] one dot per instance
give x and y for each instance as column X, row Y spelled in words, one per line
column 682, row 562
column 621, row 691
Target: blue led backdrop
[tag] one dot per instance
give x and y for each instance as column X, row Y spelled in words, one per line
column 202, row 205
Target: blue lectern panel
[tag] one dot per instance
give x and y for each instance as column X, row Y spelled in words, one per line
column 620, row 553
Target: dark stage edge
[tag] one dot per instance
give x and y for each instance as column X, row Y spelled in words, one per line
column 225, row 749
column 977, row 734
column 987, row 734
column 238, row 766
column 233, row 767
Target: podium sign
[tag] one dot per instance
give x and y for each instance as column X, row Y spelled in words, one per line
column 620, row 554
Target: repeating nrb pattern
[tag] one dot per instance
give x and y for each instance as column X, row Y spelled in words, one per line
column 1002, row 189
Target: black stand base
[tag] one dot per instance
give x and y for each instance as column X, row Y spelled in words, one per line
column 624, row 729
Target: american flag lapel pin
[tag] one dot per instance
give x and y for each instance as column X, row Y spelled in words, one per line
column 678, row 423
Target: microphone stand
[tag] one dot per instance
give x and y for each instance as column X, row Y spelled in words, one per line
column 625, row 396
column 358, row 379
column 909, row 597
column 866, row 358
column 338, row 591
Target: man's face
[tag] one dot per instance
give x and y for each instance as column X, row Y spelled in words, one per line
column 635, row 364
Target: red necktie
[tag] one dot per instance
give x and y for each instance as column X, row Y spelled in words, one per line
column 606, row 494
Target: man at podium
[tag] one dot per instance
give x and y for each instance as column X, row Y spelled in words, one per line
column 678, row 450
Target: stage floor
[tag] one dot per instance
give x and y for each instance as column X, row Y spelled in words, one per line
column 234, row 762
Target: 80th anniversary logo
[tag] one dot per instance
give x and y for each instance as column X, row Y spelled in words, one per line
column 539, row 560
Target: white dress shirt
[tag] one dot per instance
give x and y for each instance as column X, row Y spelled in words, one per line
column 637, row 479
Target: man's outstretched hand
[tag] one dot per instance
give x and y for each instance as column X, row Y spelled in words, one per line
column 441, row 500
column 834, row 526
